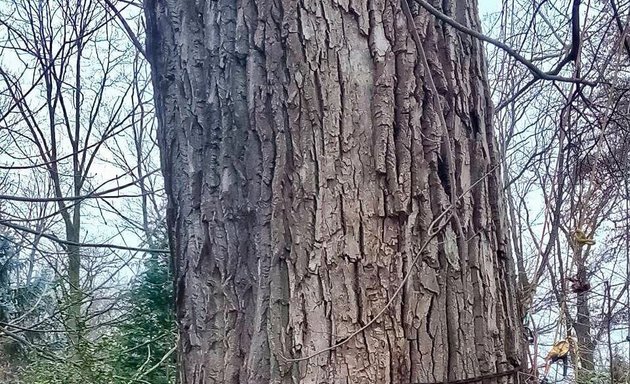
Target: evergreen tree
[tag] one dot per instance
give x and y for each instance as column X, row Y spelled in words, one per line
column 148, row 334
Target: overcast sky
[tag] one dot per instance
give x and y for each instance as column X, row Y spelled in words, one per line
column 486, row 6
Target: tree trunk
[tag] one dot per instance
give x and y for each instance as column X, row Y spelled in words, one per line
column 582, row 323
column 304, row 161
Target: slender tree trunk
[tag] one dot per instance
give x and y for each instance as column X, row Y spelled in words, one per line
column 582, row 324
column 304, row 161
column 74, row 297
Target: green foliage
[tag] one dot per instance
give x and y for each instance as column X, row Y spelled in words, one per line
column 133, row 351
column 95, row 368
column 149, row 332
column 595, row 377
column 603, row 375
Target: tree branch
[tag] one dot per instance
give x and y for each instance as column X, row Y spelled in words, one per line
column 537, row 72
column 132, row 35
column 57, row 240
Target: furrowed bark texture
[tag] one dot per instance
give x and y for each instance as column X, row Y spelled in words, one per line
column 304, row 161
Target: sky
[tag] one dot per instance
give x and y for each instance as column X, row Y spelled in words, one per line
column 488, row 6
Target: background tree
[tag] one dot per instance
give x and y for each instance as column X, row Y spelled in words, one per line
column 81, row 192
column 564, row 172
column 147, row 336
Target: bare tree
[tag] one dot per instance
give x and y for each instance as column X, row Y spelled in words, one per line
column 563, row 170
column 74, row 88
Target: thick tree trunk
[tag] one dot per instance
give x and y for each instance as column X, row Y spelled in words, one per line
column 304, row 161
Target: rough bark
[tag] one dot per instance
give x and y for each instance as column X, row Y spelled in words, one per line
column 304, row 162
